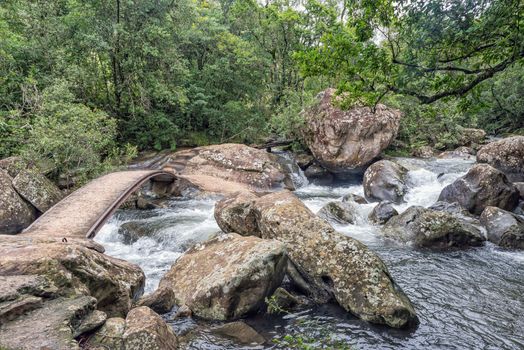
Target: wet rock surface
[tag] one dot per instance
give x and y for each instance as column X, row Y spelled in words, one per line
column 328, row 264
column 346, row 141
column 385, row 181
column 241, row 332
column 225, row 278
column 504, row 228
column 427, row 228
column 506, row 155
column 382, row 212
column 481, row 187
column 338, row 212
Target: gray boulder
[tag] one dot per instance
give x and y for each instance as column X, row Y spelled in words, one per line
column 432, row 229
column 504, row 228
column 382, row 212
column 481, row 187
column 507, row 155
column 385, row 181
column 15, row 213
column 338, row 212
column 37, row 190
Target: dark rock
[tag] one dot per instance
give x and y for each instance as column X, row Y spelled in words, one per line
column 281, row 301
column 481, row 187
column 382, row 212
column 240, row 332
column 15, row 213
column 504, row 228
column 351, row 197
column 520, row 188
column 432, row 229
column 319, row 175
column 506, row 155
column 304, row 160
column 132, row 231
column 339, row 212
column 385, row 181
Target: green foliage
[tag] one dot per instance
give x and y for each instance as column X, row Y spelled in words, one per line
column 312, row 335
column 76, row 140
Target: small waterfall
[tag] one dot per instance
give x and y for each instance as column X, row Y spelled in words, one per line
column 296, row 174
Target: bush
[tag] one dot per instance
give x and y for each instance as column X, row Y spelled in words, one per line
column 75, row 140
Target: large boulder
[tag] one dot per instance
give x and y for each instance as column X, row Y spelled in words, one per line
column 385, row 181
column 237, row 163
column 75, row 268
column 382, row 212
column 37, row 190
column 224, row 278
column 504, row 228
column 51, row 326
column 325, row 263
column 338, row 212
column 432, row 229
column 481, row 187
column 146, row 330
column 346, row 141
column 15, row 213
column 507, row 155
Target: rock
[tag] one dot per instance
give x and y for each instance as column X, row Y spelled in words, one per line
column 110, row 335
column 351, row 197
column 37, row 190
column 51, row 326
column 481, row 187
column 459, row 153
column 237, row 163
column 338, row 212
column 281, row 301
column 132, row 231
column 91, row 322
column 382, row 212
column 319, row 175
column 13, row 165
column 347, row 141
column 15, row 213
column 74, row 269
column 385, row 181
column 432, row 229
column 507, row 155
column 146, row 330
column 240, row 332
column 423, row 152
column 11, row 309
column 236, row 214
column 15, row 286
column 183, row 311
column 304, row 160
column 160, row 301
column 471, row 136
column 327, row 264
column 227, row 277
column 520, row 188
column 504, row 228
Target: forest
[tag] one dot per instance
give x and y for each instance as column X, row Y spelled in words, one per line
column 85, row 84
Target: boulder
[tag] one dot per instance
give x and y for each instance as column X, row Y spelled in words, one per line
column 37, row 190
column 92, row 321
column 240, row 332
column 471, row 136
column 507, row 155
column 15, row 213
column 318, row 174
column 13, row 165
column 351, row 197
column 237, row 163
column 432, row 229
column 382, row 212
column 52, row 326
column 74, row 269
column 504, row 228
column 462, row 152
column 423, row 152
column 227, row 277
column 281, row 301
column 481, row 187
column 520, row 188
column 304, row 160
column 236, row 214
column 146, row 330
column 132, row 231
column 385, row 181
column 347, row 140
column 326, row 264
column 338, row 212
column 110, row 335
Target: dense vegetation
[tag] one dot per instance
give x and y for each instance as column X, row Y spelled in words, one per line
column 83, row 83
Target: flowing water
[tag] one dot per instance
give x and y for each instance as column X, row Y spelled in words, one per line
column 465, row 299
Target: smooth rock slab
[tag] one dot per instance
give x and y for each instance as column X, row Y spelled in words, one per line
column 37, row 190
column 227, row 277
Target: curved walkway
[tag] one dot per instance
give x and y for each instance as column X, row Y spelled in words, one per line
column 84, row 212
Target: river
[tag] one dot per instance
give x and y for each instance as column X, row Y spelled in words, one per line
column 465, row 299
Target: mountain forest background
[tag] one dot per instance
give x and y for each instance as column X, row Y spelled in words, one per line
column 85, row 85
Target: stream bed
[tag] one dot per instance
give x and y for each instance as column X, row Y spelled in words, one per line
column 465, row 299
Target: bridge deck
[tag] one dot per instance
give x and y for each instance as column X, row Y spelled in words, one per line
column 83, row 212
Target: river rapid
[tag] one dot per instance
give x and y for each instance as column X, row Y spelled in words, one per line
column 465, row 299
